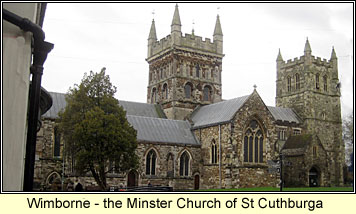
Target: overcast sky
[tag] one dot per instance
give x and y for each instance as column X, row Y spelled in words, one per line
column 95, row 35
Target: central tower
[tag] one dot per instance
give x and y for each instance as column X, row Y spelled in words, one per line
column 184, row 71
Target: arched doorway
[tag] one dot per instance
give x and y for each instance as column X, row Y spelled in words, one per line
column 314, row 177
column 196, row 182
column 132, row 179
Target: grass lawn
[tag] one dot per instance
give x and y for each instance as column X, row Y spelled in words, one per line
column 274, row 189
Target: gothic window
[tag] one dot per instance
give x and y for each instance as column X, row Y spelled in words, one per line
column 170, row 165
column 165, row 91
column 296, row 131
column 188, row 90
column 162, row 74
column 323, row 115
column 289, row 83
column 317, row 81
column 282, row 134
column 214, row 152
column 297, row 81
column 150, row 78
column 197, row 68
column 207, row 93
column 151, row 162
column 253, row 143
column 184, row 164
column 325, row 83
column 212, row 73
column 57, row 143
column 153, row 95
column 314, row 151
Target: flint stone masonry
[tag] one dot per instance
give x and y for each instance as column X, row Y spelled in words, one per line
column 304, row 128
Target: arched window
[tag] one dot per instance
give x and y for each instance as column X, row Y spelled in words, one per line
column 197, row 68
column 297, row 81
column 151, row 162
column 214, row 152
column 207, row 93
column 57, row 143
column 317, row 81
column 325, row 83
column 188, row 90
column 153, row 95
column 165, row 91
column 184, row 164
column 253, row 143
column 289, row 83
column 170, row 165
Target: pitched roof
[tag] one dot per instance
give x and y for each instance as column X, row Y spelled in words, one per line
column 160, row 130
column 297, row 141
column 284, row 114
column 59, row 103
column 217, row 113
column 142, row 109
column 132, row 108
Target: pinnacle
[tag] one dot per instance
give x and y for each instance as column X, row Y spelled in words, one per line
column 307, row 48
column 176, row 17
column 279, row 57
column 333, row 54
column 217, row 30
column 153, row 31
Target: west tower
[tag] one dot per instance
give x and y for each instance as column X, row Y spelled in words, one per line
column 184, row 71
column 311, row 87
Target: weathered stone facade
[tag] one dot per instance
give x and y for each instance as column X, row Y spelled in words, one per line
column 310, row 86
column 184, row 64
column 225, row 144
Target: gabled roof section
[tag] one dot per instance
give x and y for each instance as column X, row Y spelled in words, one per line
column 284, row 114
column 59, row 103
column 142, row 109
column 131, row 108
column 298, row 141
column 158, row 130
column 217, row 113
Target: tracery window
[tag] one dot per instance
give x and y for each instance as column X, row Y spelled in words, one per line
column 325, row 83
column 297, row 81
column 188, row 90
column 184, row 164
column 151, row 162
column 289, row 83
column 197, row 68
column 253, row 143
column 317, row 81
column 165, row 91
column 214, row 152
column 207, row 93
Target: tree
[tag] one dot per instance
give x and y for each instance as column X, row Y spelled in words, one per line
column 96, row 132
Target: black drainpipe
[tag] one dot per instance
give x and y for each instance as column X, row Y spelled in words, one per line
column 40, row 50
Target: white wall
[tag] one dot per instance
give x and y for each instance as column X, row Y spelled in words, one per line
column 16, row 73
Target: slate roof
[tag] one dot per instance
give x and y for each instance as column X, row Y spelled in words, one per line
column 284, row 114
column 131, row 108
column 160, row 130
column 142, row 109
column 59, row 103
column 217, row 113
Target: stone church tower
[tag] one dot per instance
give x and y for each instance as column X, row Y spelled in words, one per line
column 310, row 86
column 184, row 71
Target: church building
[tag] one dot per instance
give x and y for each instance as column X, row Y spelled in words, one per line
column 190, row 138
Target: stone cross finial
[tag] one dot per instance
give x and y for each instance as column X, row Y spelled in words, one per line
column 254, row 86
column 153, row 14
